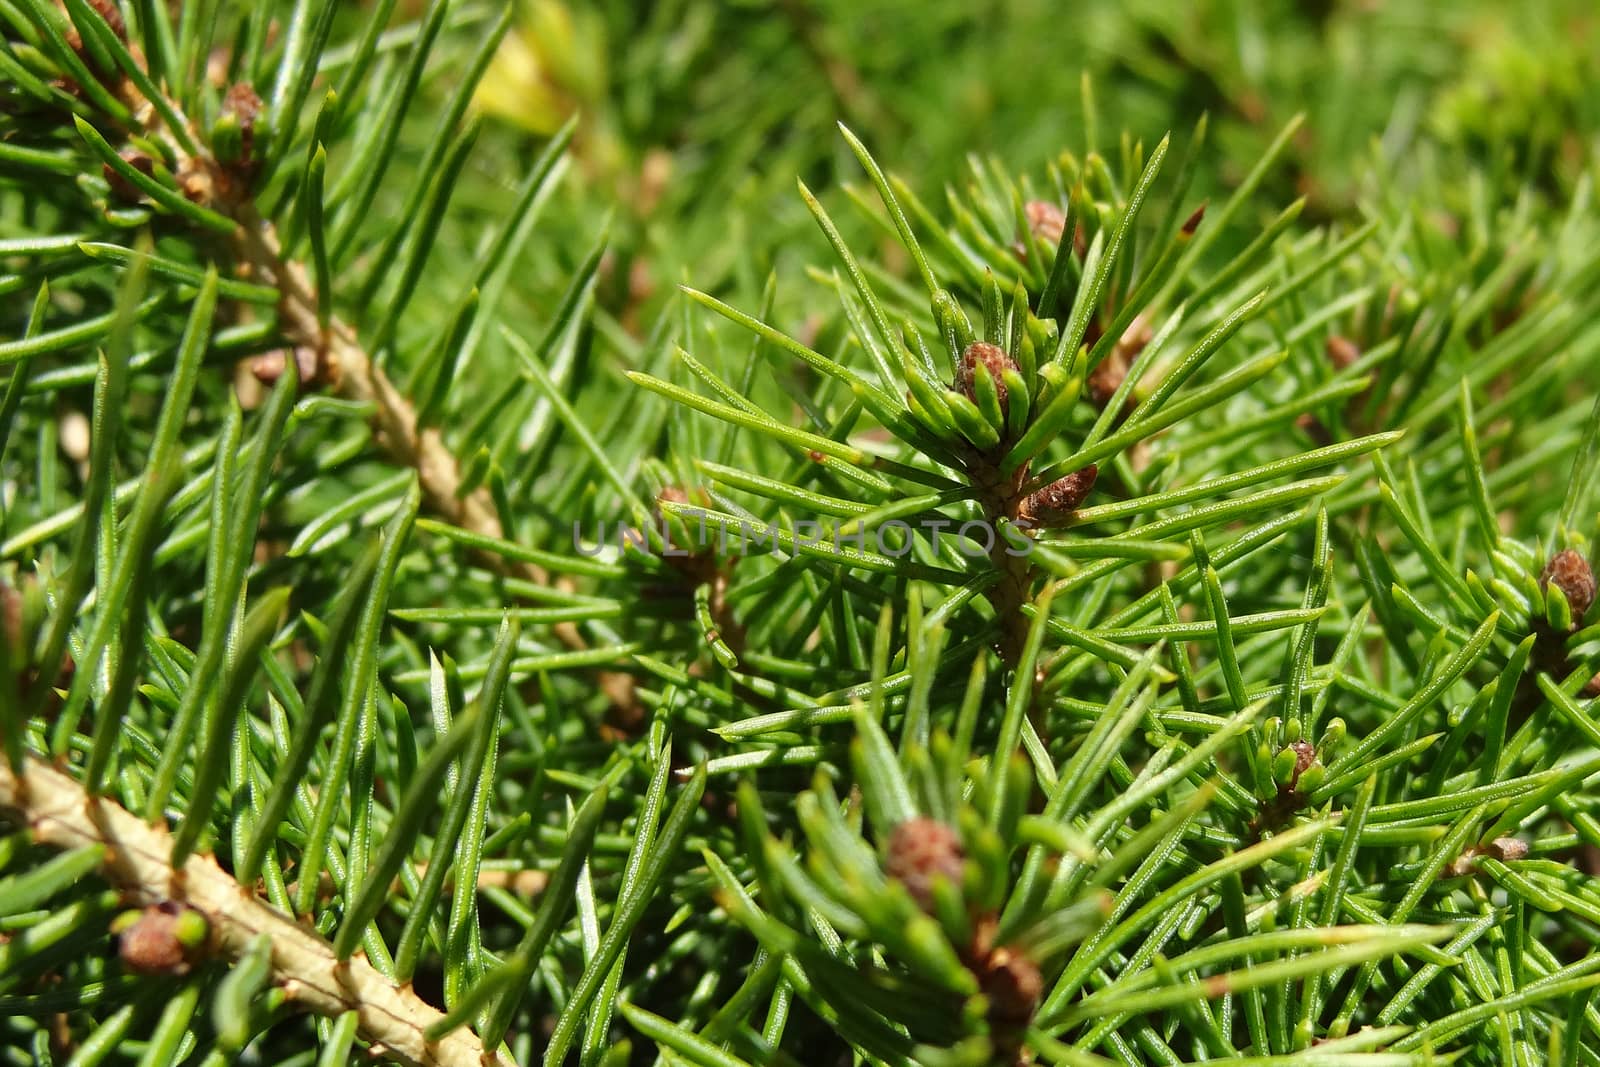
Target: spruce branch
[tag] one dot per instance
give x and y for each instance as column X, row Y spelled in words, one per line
column 58, row 812
column 218, row 197
column 1276, row 742
column 221, row 193
column 355, row 375
column 405, row 437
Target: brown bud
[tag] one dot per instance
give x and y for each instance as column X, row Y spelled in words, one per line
column 1570, row 572
column 655, row 172
column 1342, row 352
column 1192, row 223
column 1314, row 428
column 200, row 184
column 1106, row 378
column 268, row 367
column 1136, row 336
column 1057, row 501
column 1507, row 848
column 242, row 103
column 921, row 849
column 1013, row 984
column 107, row 10
column 993, row 358
column 121, row 187
column 1109, row 374
column 664, row 523
column 1305, row 754
column 1592, row 689
column 1501, row 848
column 10, row 615
column 641, row 284
column 163, row 939
column 13, row 646
column 676, row 495
column 1045, row 221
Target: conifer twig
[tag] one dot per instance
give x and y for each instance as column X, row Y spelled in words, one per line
column 353, row 372
column 357, row 376
column 58, row 812
column 344, row 363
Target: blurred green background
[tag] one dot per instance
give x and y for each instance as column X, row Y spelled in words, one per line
column 696, row 116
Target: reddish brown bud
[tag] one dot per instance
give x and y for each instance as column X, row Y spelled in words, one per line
column 233, row 137
column 1192, row 223
column 1570, row 572
column 121, row 187
column 1305, row 754
column 107, row 10
column 1106, row 378
column 666, row 525
column 994, row 360
column 920, row 850
column 163, row 939
column 241, row 100
column 1057, row 501
column 1342, row 352
column 1592, row 689
column 1013, row 984
column 268, row 367
column 10, row 616
column 13, row 642
column 1136, row 336
column 1046, row 221
column 641, row 283
column 1109, row 374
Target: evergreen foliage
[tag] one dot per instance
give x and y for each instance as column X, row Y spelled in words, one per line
column 492, row 573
